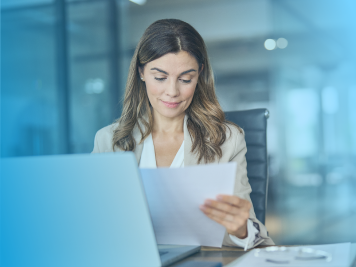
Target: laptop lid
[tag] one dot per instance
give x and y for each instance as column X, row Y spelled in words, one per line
column 75, row 210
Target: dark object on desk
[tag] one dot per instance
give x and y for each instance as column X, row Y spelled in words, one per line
column 200, row 264
column 254, row 123
column 277, row 261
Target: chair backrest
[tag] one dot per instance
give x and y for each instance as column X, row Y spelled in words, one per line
column 254, row 123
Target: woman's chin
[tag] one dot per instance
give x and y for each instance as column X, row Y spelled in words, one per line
column 171, row 113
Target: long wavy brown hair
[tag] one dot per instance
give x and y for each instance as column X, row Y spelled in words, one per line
column 206, row 121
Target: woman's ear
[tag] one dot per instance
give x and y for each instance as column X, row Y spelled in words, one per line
column 140, row 71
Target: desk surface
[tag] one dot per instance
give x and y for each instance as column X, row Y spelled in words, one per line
column 225, row 255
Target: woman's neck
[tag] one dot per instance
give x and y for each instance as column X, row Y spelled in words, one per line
column 162, row 124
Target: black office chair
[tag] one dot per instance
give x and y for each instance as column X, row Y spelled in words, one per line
column 254, row 123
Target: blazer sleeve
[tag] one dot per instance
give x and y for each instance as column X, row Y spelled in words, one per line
column 243, row 189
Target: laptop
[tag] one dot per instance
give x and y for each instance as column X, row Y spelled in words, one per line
column 78, row 210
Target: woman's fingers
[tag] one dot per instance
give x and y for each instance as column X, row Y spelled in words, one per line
column 222, row 206
column 229, row 208
column 235, row 201
column 217, row 213
column 239, row 214
column 230, row 211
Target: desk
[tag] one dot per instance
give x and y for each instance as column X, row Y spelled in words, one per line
column 228, row 254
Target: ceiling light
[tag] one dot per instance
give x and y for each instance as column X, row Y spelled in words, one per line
column 94, row 86
column 139, row 2
column 270, row 44
column 282, row 43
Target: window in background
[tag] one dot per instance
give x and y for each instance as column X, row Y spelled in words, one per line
column 313, row 200
column 90, row 78
column 63, row 74
column 98, row 64
column 29, row 107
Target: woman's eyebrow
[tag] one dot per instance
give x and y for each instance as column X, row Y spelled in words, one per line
column 184, row 72
column 160, row 70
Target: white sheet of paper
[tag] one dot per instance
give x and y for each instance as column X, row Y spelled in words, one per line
column 340, row 258
column 174, row 196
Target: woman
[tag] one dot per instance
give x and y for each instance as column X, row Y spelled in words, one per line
column 171, row 117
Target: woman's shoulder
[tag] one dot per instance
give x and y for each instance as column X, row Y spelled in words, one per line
column 233, row 131
column 235, row 138
column 107, row 131
column 103, row 139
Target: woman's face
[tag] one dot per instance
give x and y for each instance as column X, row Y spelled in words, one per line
column 170, row 83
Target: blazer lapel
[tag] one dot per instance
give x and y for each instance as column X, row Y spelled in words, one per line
column 189, row 157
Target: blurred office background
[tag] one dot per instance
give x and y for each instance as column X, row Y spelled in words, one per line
column 64, row 66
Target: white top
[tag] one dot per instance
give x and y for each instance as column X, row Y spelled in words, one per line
column 148, row 160
column 148, row 156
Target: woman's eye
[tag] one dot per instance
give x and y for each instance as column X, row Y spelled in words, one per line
column 160, row 79
column 186, row 81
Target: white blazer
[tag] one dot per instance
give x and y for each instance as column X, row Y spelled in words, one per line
column 233, row 149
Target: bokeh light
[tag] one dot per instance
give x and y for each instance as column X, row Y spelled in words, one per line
column 282, row 43
column 270, row 44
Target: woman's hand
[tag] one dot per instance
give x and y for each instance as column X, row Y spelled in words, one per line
column 230, row 211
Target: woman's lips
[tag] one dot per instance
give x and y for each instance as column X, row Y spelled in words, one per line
column 171, row 104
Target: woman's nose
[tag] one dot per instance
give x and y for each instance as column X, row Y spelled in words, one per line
column 172, row 90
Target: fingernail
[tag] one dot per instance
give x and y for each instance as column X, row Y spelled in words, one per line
column 202, row 207
column 208, row 201
column 219, row 197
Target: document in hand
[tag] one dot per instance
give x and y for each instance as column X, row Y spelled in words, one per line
column 174, row 196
